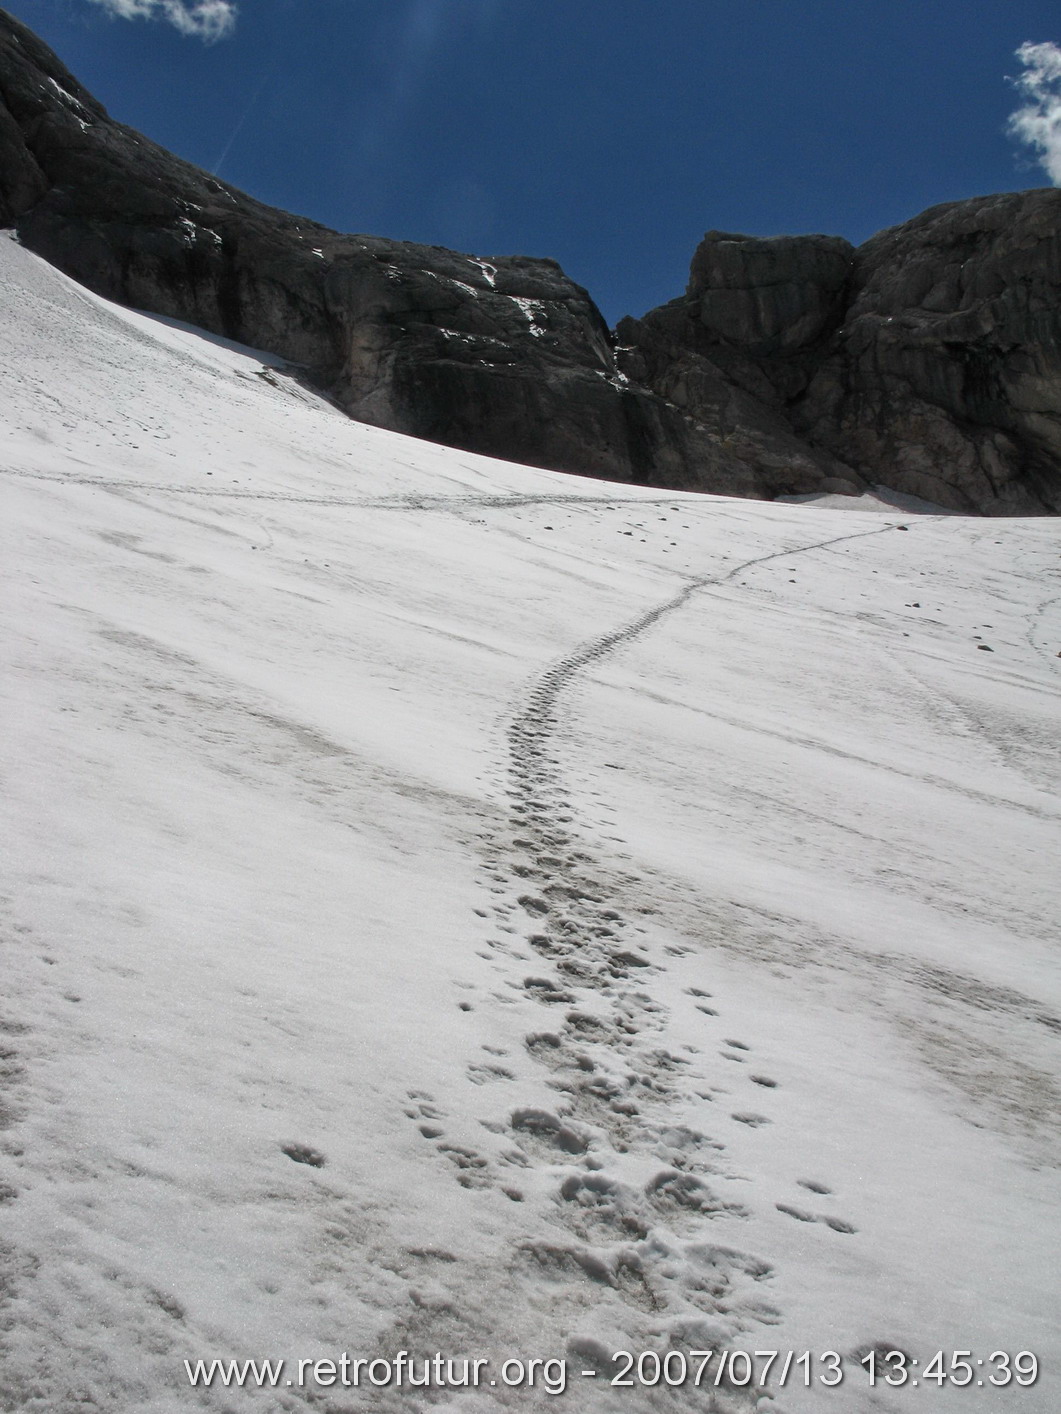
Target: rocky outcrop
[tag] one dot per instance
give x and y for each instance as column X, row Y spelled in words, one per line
column 927, row 360
column 743, row 341
column 945, row 378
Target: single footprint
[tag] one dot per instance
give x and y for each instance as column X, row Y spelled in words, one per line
column 549, row 1131
column 763, row 1080
column 543, row 989
column 743, row 1117
column 599, row 1203
column 481, row 1073
column 304, row 1154
column 426, row 1113
column 839, row 1225
column 673, row 1190
column 813, row 1185
column 470, row 1165
column 800, row 1214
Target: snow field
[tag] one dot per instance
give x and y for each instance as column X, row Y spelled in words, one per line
column 452, row 906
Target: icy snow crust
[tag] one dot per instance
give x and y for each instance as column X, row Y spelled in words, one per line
column 640, row 908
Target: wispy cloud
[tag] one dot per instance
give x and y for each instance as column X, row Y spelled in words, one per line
column 1038, row 123
column 428, row 24
column 417, row 31
column 208, row 20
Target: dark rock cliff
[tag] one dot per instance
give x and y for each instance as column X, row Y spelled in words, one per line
column 945, row 378
column 927, row 360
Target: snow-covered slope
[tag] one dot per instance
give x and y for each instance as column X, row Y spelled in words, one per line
column 456, row 908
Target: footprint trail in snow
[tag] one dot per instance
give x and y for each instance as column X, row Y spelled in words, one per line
column 633, row 1243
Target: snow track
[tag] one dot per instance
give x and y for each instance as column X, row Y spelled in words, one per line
column 422, row 502
column 640, row 1209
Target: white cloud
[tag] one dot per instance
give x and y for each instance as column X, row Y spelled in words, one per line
column 208, row 20
column 1038, row 123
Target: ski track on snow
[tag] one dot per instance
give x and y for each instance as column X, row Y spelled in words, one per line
column 413, row 502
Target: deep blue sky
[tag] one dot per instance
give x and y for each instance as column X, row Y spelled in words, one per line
column 608, row 134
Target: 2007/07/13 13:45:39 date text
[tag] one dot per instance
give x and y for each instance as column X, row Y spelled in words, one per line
column 762, row 1368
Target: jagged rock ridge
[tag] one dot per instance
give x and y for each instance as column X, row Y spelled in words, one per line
column 927, row 360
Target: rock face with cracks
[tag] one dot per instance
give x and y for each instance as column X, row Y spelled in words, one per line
column 928, row 360
column 946, row 373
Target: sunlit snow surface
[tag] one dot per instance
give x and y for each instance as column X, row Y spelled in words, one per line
column 645, row 905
